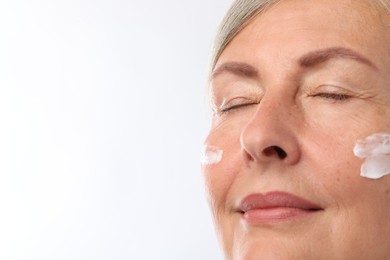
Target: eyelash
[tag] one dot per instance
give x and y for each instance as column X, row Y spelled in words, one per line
column 235, row 107
column 333, row 96
column 241, row 105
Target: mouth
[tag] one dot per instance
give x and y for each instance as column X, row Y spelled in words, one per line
column 274, row 207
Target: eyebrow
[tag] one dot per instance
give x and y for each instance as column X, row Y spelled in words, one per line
column 310, row 59
column 236, row 68
column 320, row 56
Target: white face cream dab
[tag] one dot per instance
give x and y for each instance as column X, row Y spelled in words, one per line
column 375, row 149
column 210, row 155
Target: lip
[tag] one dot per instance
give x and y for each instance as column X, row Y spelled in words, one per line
column 274, row 207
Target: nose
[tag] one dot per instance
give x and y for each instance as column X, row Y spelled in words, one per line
column 271, row 135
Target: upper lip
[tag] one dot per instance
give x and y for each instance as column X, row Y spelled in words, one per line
column 275, row 199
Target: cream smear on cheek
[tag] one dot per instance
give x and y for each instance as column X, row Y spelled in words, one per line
column 210, row 155
column 375, row 149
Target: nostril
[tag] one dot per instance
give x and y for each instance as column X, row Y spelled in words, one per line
column 281, row 153
column 269, row 151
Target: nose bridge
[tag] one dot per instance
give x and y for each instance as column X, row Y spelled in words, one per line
column 272, row 113
column 270, row 135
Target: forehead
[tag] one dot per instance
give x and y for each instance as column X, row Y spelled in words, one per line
column 340, row 14
column 296, row 26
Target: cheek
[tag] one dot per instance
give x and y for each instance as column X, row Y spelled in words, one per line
column 219, row 177
column 219, row 180
column 338, row 176
column 330, row 165
column 334, row 160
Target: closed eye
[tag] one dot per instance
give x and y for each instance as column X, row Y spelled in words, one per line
column 333, row 96
column 237, row 103
column 235, row 107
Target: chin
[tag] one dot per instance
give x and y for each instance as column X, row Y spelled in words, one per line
column 268, row 245
column 258, row 250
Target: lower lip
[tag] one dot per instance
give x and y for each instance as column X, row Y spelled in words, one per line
column 275, row 215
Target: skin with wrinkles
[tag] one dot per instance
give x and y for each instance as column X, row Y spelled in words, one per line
column 295, row 78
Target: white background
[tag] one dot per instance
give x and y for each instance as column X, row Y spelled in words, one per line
column 102, row 116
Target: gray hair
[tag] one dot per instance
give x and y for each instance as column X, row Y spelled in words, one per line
column 239, row 15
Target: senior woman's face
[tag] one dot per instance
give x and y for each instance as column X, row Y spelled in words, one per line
column 292, row 93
